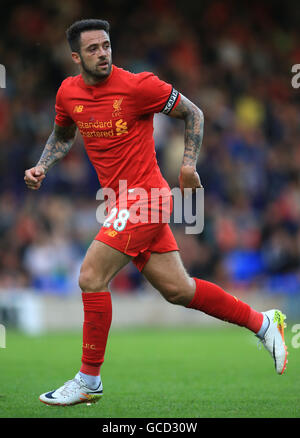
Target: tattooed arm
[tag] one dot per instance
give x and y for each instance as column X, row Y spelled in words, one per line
column 193, row 136
column 58, row 145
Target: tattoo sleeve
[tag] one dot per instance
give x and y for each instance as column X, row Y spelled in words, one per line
column 194, row 126
column 58, row 145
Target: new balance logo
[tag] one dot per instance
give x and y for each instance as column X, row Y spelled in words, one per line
column 78, row 109
column 111, row 233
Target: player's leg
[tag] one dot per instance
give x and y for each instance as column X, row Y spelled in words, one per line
column 100, row 265
column 167, row 274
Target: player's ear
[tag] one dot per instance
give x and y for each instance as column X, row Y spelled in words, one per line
column 76, row 57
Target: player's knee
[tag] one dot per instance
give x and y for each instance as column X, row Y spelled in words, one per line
column 90, row 282
column 180, row 294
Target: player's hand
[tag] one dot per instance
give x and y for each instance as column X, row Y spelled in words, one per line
column 189, row 179
column 34, row 177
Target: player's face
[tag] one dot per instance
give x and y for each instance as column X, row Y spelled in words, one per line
column 95, row 54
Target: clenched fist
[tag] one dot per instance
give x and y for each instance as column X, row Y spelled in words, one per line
column 34, row 177
column 189, row 178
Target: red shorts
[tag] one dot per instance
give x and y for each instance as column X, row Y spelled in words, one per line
column 139, row 240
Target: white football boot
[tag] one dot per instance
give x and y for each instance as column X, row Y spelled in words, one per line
column 72, row 392
column 273, row 339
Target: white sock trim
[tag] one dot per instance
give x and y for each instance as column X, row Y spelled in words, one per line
column 264, row 327
column 92, row 382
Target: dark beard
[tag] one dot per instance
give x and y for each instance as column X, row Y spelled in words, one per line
column 95, row 75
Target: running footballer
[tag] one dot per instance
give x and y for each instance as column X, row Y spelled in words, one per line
column 113, row 110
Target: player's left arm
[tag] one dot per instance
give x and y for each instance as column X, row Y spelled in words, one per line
column 193, row 135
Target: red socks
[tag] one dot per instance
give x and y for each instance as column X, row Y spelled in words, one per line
column 213, row 300
column 97, row 320
column 209, row 298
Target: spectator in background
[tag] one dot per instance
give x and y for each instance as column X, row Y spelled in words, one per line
column 234, row 65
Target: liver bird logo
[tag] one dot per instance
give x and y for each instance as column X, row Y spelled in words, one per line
column 117, row 104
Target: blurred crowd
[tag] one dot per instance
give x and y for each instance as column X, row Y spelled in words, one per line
column 234, row 61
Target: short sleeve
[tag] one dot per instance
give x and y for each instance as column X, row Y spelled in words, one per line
column 62, row 117
column 154, row 95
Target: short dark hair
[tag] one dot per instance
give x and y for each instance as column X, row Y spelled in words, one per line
column 74, row 31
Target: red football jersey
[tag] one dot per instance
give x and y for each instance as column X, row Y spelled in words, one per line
column 115, row 119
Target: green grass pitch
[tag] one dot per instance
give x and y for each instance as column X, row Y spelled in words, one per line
column 153, row 373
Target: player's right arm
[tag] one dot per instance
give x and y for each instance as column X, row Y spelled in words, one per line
column 58, row 145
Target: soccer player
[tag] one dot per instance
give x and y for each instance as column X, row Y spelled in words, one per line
column 113, row 109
